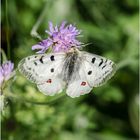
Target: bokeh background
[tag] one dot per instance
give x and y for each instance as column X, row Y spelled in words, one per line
column 109, row 112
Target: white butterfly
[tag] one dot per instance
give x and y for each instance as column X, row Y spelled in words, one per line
column 76, row 71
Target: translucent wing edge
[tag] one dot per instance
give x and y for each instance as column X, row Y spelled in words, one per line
column 25, row 72
column 108, row 76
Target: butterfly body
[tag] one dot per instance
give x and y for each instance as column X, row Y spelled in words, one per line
column 71, row 65
column 76, row 71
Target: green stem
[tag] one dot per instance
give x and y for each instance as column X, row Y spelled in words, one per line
column 22, row 99
column 4, row 58
column 125, row 62
column 34, row 32
column 7, row 30
column 40, row 19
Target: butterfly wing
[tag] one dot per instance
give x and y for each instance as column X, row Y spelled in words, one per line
column 78, row 85
column 98, row 69
column 51, row 86
column 45, row 71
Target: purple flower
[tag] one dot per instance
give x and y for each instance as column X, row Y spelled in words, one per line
column 6, row 71
column 61, row 38
column 1, row 76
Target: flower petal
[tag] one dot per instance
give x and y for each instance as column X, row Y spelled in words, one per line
column 61, row 38
column 7, row 69
column 1, row 76
column 51, row 27
column 62, row 25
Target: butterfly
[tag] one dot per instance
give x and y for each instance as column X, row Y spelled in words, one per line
column 75, row 71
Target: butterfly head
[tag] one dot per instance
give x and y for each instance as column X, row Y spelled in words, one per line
column 73, row 49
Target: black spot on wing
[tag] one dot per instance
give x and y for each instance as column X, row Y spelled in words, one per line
column 41, row 59
column 101, row 62
column 35, row 63
column 52, row 58
column 105, row 60
column 104, row 66
column 52, row 69
column 106, row 71
column 90, row 72
column 93, row 60
column 29, row 68
column 110, row 63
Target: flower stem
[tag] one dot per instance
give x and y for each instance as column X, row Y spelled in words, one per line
column 7, row 31
column 34, row 32
column 125, row 62
column 22, row 99
column 3, row 58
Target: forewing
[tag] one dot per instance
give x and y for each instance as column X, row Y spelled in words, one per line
column 98, row 69
column 44, row 70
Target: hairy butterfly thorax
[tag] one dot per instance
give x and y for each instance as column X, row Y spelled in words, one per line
column 71, row 65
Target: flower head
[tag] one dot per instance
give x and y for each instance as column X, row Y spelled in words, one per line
column 61, row 38
column 6, row 71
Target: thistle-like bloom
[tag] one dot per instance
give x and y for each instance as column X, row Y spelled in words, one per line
column 6, row 72
column 61, row 38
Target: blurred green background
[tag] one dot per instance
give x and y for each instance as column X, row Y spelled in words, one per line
column 109, row 112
